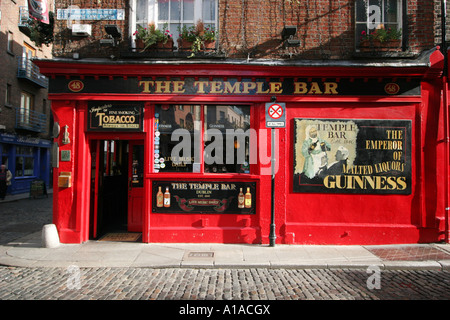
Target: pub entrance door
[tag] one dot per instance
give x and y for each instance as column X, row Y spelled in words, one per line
column 116, row 186
column 135, row 186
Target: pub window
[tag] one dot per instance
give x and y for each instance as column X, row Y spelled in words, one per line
column 175, row 125
column 209, row 139
column 174, row 14
column 227, row 125
column 375, row 14
column 24, row 161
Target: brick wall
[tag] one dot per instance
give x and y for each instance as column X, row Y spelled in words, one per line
column 65, row 44
column 438, row 23
column 252, row 28
column 421, row 24
column 9, row 65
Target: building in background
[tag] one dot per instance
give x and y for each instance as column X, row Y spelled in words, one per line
column 166, row 110
column 25, row 113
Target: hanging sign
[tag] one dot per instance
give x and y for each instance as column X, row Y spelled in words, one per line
column 38, row 10
column 352, row 156
column 204, row 197
column 115, row 116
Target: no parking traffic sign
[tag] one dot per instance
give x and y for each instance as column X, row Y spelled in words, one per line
column 275, row 118
column 275, row 115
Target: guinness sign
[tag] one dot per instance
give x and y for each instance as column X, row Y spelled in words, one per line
column 352, row 156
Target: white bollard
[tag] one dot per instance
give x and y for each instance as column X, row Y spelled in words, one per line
column 50, row 238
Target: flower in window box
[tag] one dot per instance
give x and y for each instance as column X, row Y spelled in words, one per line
column 167, row 42
column 186, row 37
column 380, row 39
column 393, row 39
column 366, row 41
column 197, row 38
column 209, row 38
column 140, row 34
column 152, row 37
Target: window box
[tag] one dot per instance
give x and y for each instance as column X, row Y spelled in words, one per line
column 210, row 45
column 139, row 44
column 393, row 45
column 168, row 45
column 184, row 45
column 164, row 46
column 380, row 46
column 153, row 38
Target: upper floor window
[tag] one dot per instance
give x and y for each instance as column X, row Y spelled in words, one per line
column 175, row 14
column 9, row 45
column 377, row 14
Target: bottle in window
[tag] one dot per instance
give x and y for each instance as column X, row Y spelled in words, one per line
column 159, row 198
column 241, row 199
column 167, row 198
column 248, row 199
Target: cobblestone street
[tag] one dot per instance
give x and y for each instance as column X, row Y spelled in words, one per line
column 24, row 216
column 218, row 284
column 17, row 283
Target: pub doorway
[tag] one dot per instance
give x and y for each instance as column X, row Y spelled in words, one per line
column 116, row 188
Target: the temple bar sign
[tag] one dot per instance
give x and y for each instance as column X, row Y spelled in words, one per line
column 236, row 86
column 114, row 116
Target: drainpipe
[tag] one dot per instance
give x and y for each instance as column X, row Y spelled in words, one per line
column 446, row 117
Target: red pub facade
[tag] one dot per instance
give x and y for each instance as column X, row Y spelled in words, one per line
column 128, row 133
column 296, row 129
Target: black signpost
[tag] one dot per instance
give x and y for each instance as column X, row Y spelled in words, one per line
column 275, row 118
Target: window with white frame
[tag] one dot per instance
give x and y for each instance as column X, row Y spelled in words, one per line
column 26, row 107
column 375, row 14
column 174, row 14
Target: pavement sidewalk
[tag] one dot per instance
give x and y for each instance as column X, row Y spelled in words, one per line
column 29, row 252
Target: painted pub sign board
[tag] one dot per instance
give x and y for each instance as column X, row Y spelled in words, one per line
column 204, row 197
column 352, row 156
column 115, row 116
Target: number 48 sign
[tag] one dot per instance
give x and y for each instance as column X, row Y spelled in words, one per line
column 275, row 115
